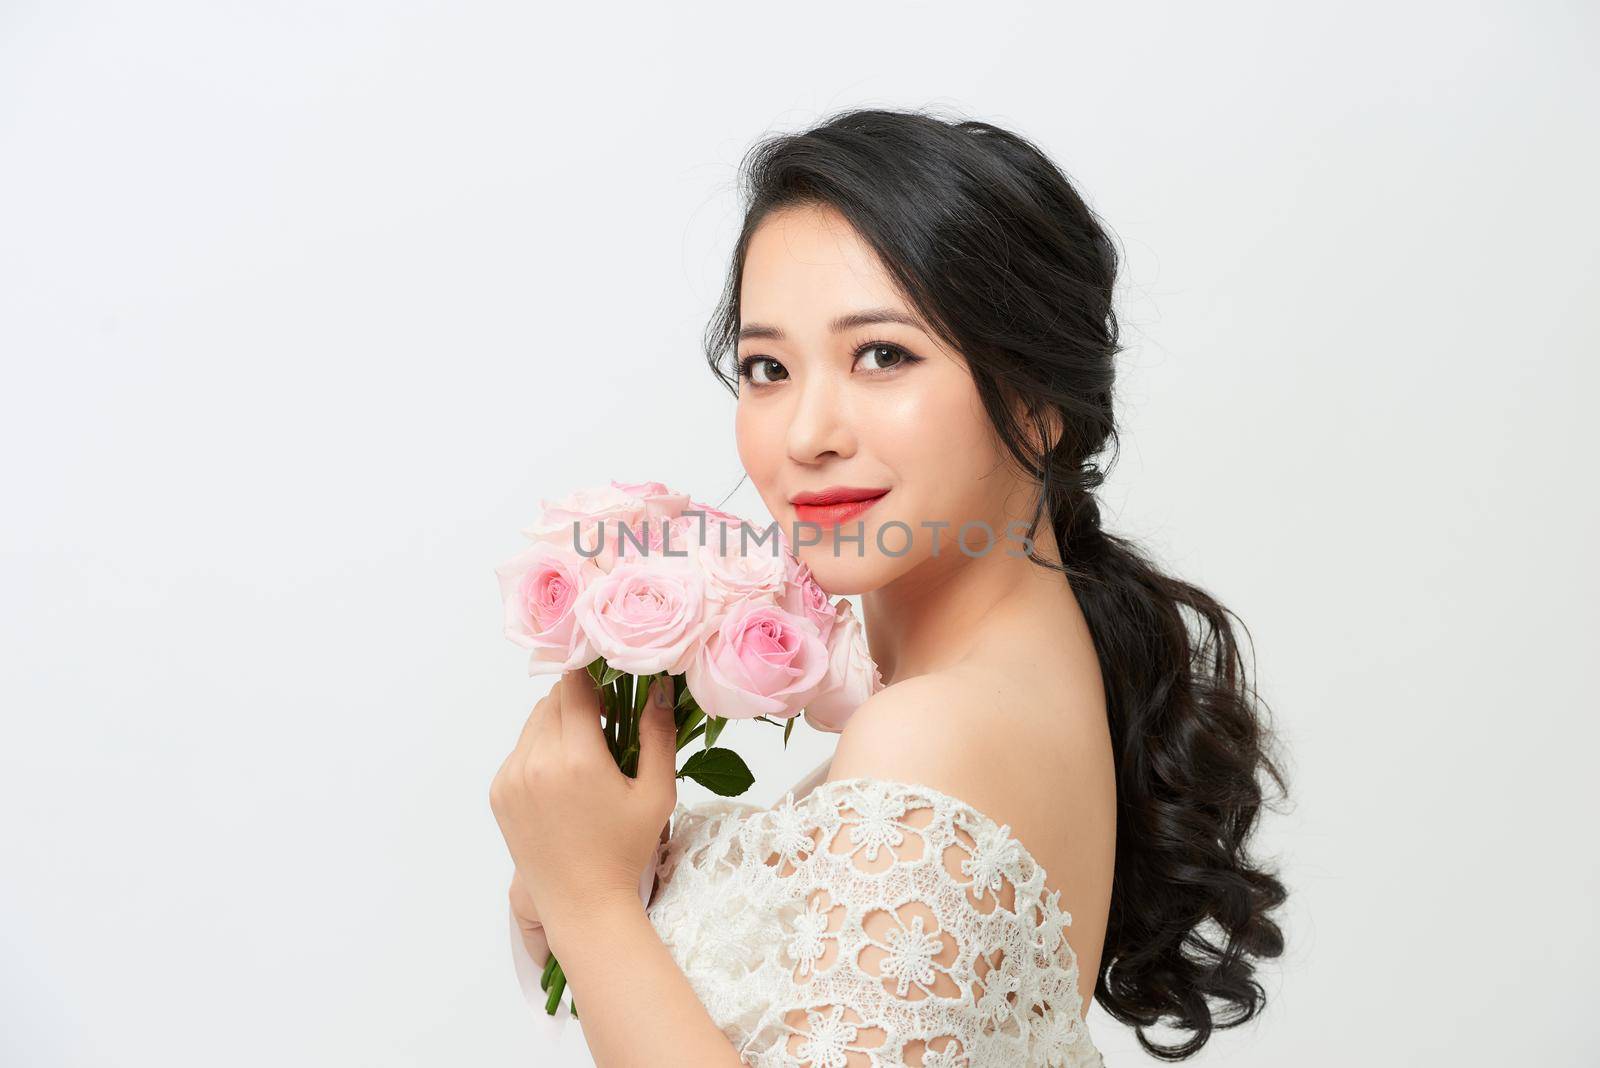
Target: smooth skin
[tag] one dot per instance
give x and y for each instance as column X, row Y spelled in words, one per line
column 580, row 832
column 994, row 692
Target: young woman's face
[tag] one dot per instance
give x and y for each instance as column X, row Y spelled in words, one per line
column 832, row 396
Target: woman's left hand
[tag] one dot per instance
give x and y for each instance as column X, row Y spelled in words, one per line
column 580, row 832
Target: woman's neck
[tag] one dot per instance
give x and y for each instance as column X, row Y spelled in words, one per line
column 928, row 619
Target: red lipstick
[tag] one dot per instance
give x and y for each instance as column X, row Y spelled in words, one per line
column 836, row 504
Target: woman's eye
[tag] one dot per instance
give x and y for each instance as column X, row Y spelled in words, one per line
column 887, row 356
column 748, row 370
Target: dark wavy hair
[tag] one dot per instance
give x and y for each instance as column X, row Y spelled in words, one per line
column 995, row 248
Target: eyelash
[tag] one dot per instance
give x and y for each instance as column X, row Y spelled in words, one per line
column 906, row 360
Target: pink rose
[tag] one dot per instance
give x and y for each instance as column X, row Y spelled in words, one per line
column 761, row 661
column 736, row 537
column 652, row 539
column 804, row 597
column 588, row 521
column 645, row 617
column 659, row 501
column 586, row 506
column 714, row 513
column 851, row 678
column 640, row 489
column 585, row 522
column 540, row 587
column 737, row 576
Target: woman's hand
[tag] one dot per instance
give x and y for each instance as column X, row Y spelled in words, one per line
column 579, row 831
column 528, row 922
column 527, row 915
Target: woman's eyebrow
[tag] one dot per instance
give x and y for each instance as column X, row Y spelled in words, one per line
column 838, row 326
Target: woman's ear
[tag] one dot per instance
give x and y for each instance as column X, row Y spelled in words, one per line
column 1053, row 427
column 1041, row 423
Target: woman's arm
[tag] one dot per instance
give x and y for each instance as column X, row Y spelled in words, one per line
column 634, row 1002
column 580, row 832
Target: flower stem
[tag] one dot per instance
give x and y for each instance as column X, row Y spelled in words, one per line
column 613, row 703
column 558, row 984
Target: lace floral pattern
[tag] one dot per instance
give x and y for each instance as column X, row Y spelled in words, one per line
column 870, row 923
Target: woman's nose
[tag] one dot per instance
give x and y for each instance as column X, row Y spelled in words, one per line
column 819, row 426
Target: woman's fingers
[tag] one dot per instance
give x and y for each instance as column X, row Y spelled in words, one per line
column 580, row 715
column 534, row 735
column 543, row 723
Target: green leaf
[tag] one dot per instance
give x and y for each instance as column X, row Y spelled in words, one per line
column 714, row 725
column 690, row 728
column 787, row 729
column 685, row 699
column 722, row 771
column 611, row 675
column 694, row 702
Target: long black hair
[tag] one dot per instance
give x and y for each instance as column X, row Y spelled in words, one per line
column 995, row 248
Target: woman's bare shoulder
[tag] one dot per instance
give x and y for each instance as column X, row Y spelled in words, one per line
column 1037, row 760
column 973, row 734
column 909, row 726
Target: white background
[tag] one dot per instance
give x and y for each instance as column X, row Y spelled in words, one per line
column 305, row 306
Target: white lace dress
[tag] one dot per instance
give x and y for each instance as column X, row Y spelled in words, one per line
column 865, row 921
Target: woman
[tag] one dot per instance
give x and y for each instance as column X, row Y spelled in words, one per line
column 1050, row 800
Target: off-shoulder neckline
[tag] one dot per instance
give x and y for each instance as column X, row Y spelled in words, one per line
column 1038, row 874
column 984, row 820
column 982, row 817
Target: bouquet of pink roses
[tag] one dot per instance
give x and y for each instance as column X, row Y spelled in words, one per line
column 632, row 581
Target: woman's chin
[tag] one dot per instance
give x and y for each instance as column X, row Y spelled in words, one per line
column 848, row 573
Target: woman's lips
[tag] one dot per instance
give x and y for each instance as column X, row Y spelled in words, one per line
column 828, row 515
